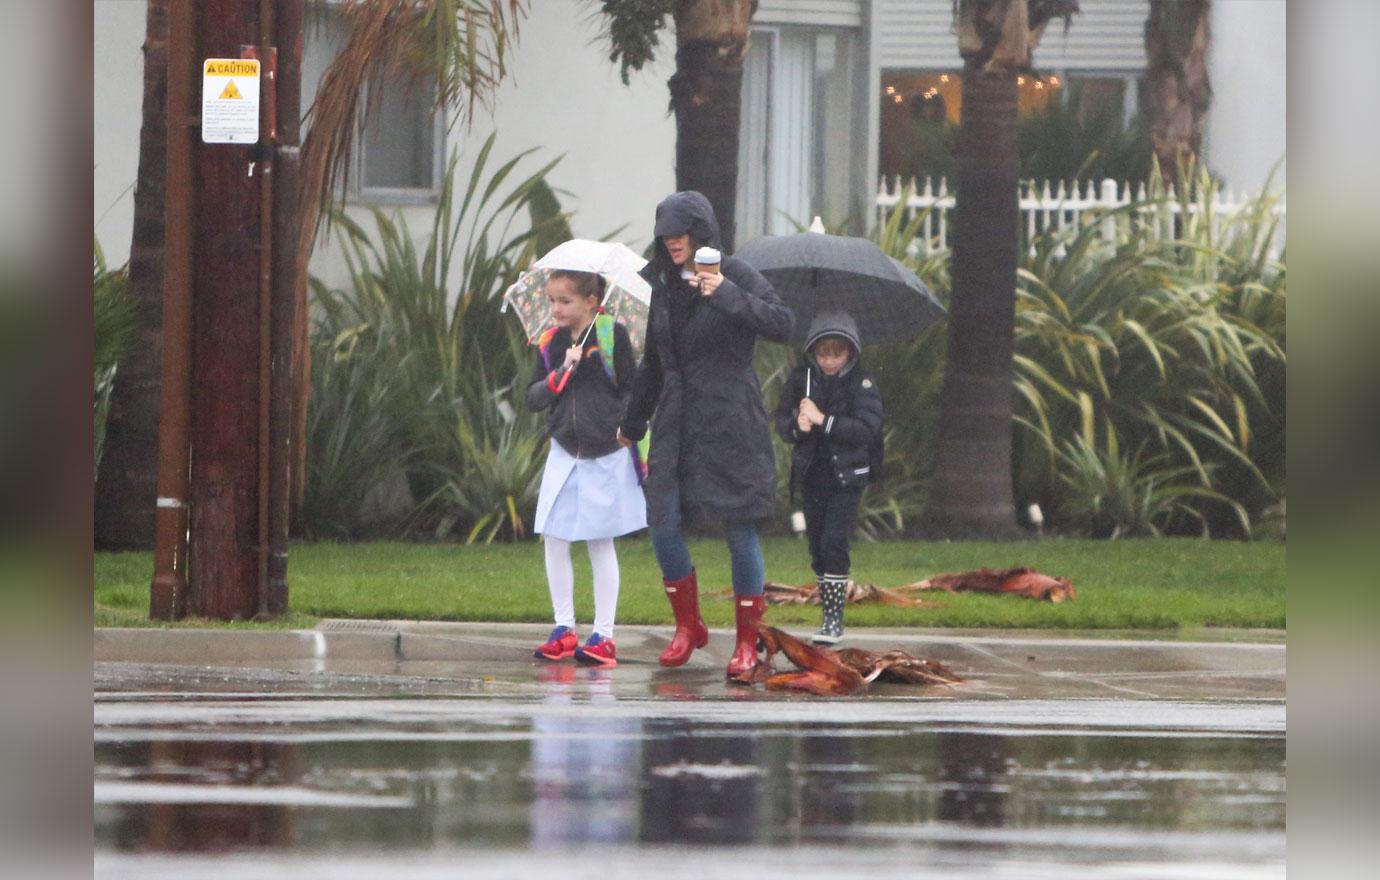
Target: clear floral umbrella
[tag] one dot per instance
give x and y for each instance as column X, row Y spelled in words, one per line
column 627, row 296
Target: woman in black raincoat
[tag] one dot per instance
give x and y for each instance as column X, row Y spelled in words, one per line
column 711, row 457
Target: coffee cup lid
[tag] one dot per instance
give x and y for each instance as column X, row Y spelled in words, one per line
column 707, row 255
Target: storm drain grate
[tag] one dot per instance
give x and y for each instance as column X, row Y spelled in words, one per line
column 358, row 626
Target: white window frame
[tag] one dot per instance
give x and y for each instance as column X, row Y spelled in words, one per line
column 400, row 195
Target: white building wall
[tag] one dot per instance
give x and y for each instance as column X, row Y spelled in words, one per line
column 1105, row 35
column 562, row 95
column 119, row 98
column 1246, row 123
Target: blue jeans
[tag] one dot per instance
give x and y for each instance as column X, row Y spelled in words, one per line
column 672, row 554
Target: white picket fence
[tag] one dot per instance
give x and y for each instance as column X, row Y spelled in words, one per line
column 1058, row 206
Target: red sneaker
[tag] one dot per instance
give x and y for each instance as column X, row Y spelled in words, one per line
column 561, row 644
column 598, row 651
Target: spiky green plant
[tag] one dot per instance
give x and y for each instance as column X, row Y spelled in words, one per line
column 428, row 317
column 357, row 445
column 1165, row 337
column 116, row 321
column 1116, row 494
column 1172, row 331
column 491, row 491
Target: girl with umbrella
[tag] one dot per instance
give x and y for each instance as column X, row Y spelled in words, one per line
column 711, row 457
column 589, row 489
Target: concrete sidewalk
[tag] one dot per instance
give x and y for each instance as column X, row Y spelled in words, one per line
column 998, row 664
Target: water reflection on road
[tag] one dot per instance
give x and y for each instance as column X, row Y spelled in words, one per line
column 338, row 781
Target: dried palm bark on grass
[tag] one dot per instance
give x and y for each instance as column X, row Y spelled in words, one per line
column 1025, row 582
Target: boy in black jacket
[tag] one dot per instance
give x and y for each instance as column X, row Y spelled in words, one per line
column 831, row 412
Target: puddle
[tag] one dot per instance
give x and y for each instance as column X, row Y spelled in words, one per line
column 245, row 783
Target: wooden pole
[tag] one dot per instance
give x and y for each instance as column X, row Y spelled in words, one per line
column 224, row 570
column 286, row 201
column 168, row 591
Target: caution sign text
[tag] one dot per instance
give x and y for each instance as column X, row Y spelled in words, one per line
column 230, row 101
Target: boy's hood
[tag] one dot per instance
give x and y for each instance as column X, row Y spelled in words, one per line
column 834, row 324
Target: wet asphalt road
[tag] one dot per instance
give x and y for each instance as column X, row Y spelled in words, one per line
column 1060, row 757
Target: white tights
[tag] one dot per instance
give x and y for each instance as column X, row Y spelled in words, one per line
column 560, row 578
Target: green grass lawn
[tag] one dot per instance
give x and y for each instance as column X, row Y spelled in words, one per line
column 1157, row 584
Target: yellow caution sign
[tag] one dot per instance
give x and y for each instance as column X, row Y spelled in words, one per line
column 231, row 67
column 230, row 101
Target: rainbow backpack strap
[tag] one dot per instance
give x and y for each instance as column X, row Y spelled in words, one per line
column 603, row 329
column 603, row 333
column 544, row 345
column 639, row 454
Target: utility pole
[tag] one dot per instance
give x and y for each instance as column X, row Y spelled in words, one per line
column 225, row 203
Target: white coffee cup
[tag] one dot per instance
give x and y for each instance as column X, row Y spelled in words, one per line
column 707, row 259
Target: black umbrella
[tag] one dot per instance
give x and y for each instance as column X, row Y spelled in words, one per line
column 814, row 272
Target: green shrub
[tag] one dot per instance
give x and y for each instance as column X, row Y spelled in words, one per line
column 1173, row 344
column 1112, row 494
column 116, row 321
column 420, row 358
column 356, row 445
column 1176, row 343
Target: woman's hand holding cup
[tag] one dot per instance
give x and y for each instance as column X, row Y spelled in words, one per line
column 707, row 277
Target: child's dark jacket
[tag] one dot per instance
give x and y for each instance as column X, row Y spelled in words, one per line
column 849, row 441
column 583, row 416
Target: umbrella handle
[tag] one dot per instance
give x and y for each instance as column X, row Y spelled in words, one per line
column 585, row 337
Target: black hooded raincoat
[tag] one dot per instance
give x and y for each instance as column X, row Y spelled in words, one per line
column 710, row 437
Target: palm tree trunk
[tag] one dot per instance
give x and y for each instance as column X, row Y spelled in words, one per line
column 970, row 490
column 1177, row 38
column 711, row 42
column 128, row 481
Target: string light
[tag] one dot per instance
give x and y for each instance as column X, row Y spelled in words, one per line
column 1054, row 81
column 943, row 77
column 891, row 90
column 1020, row 80
column 1039, row 84
column 897, row 99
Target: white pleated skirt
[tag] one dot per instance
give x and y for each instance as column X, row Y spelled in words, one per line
column 585, row 499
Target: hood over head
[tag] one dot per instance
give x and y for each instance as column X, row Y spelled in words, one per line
column 683, row 213
column 840, row 324
column 833, row 324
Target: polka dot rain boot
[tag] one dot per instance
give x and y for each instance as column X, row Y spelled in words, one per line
column 832, row 588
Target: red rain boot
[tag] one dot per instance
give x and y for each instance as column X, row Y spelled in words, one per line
column 691, row 633
column 748, row 610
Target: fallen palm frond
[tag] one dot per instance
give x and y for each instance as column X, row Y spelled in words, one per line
column 837, row 673
column 1025, row 582
column 897, row 666
column 808, row 594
